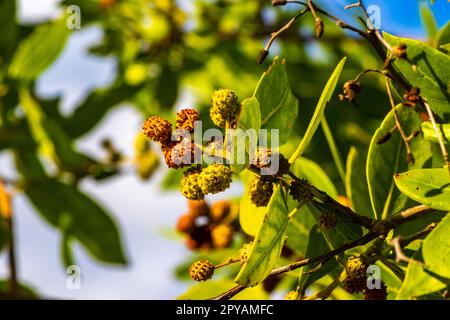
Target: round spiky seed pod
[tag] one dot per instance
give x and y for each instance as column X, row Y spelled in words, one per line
column 261, row 190
column 354, row 284
column 220, row 210
column 190, row 185
column 270, row 163
column 215, row 178
column 291, row 295
column 158, row 129
column 201, row 270
column 186, row 223
column 224, row 108
column 198, row 207
column 299, row 190
column 221, row 236
column 327, row 220
column 244, row 253
column 186, row 119
column 178, row 154
column 356, row 265
column 376, row 294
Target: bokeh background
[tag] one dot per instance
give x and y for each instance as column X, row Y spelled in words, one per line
column 146, row 214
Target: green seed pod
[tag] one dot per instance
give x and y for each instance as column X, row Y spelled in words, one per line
column 224, row 108
column 201, row 270
column 261, row 190
column 190, row 186
column 215, row 178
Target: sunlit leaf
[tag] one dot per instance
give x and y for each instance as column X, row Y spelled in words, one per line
column 320, row 108
column 427, row 186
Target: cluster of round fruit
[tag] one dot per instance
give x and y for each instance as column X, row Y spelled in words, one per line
column 207, row 227
column 178, row 150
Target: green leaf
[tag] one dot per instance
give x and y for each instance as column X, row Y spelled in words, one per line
column 333, row 148
column 250, row 216
column 213, row 288
column 49, row 136
column 278, row 105
column 299, row 227
column 10, row 30
column 166, row 91
column 37, row 52
column 312, row 172
column 36, row 120
column 428, row 69
column 93, row 109
column 327, row 93
column 429, row 21
column 65, row 207
column 316, row 247
column 443, row 36
column 427, row 186
column 249, row 122
column 418, row 281
column 436, row 249
column 430, row 135
column 268, row 242
column 388, row 159
column 356, row 182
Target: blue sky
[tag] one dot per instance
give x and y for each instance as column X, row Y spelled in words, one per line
column 142, row 210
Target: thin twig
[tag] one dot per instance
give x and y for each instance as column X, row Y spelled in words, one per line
column 438, row 134
column 13, row 283
column 325, row 293
column 275, row 34
column 409, row 155
column 399, row 255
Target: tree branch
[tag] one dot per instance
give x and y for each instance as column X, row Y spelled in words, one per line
column 400, row 218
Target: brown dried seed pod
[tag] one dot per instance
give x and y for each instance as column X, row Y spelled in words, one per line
column 221, row 236
column 376, row 294
column 158, row 129
column 186, row 223
column 198, row 207
column 327, row 220
column 179, row 154
column 220, row 210
column 351, row 89
column 186, row 118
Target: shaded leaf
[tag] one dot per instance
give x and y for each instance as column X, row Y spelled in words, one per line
column 316, row 247
column 443, row 36
column 356, row 182
column 327, row 93
column 278, row 105
column 93, row 109
column 388, row 159
column 65, row 207
column 427, row 186
column 268, row 242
